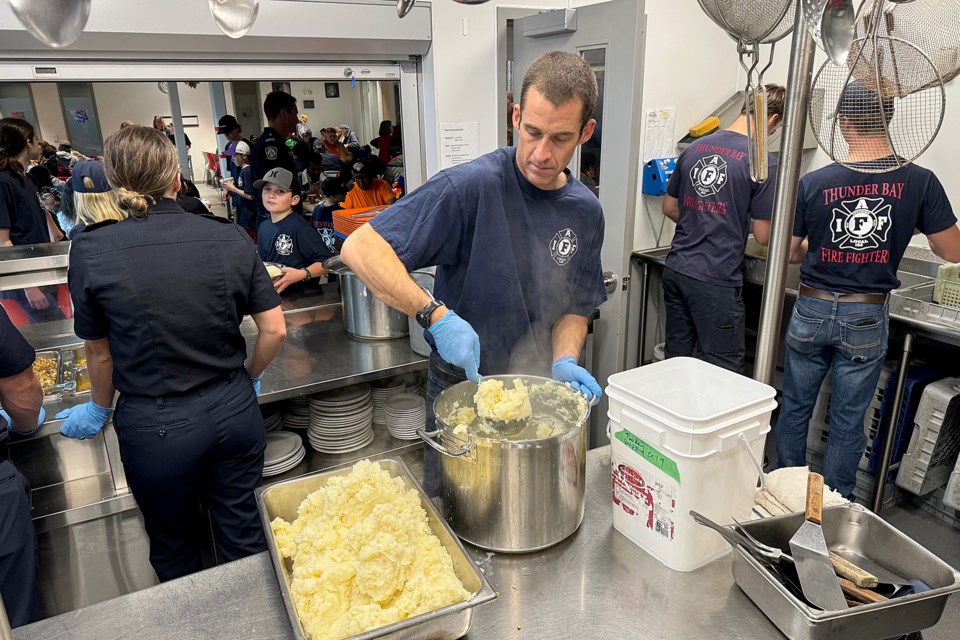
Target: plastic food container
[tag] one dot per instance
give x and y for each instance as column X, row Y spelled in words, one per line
column 450, row 622
column 682, row 435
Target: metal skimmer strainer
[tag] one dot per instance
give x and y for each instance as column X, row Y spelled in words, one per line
column 752, row 23
column 882, row 109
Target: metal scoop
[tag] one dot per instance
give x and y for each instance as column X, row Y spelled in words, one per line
column 837, row 30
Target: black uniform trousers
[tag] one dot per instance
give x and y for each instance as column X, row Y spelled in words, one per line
column 18, row 545
column 204, row 446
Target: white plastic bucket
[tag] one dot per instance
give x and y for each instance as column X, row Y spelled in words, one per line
column 675, row 435
column 659, row 353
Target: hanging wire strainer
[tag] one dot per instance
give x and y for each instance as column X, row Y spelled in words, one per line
column 861, row 113
column 933, row 26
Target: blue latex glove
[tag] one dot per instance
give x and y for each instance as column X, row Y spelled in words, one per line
column 458, row 344
column 566, row 369
column 40, row 419
column 84, row 420
column 256, row 384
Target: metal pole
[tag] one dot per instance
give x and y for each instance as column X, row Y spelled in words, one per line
column 881, row 485
column 177, row 115
column 785, row 198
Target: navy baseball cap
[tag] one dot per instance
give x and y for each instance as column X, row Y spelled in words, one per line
column 859, row 101
column 89, row 177
column 227, row 124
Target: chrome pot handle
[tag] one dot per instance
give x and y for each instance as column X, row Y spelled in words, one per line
column 428, row 437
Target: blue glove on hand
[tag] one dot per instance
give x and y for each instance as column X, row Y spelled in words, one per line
column 458, row 343
column 256, row 384
column 566, row 369
column 84, row 420
column 40, row 419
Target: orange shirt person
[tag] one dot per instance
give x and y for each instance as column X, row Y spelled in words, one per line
column 368, row 190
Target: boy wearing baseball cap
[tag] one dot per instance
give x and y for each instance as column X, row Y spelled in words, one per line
column 368, row 190
column 242, row 189
column 286, row 238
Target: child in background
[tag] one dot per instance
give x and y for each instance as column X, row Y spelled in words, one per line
column 286, row 238
column 368, row 190
column 243, row 189
column 334, row 192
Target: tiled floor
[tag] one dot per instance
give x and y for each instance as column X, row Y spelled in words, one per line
column 942, row 540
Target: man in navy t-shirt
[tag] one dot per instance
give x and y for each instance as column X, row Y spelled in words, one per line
column 286, row 238
column 713, row 200
column 853, row 225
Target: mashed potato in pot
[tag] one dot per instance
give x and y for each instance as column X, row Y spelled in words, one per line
column 502, row 405
column 364, row 556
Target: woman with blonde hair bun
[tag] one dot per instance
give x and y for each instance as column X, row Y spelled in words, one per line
column 158, row 299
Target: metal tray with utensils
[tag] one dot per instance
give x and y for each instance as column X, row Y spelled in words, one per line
column 852, row 532
column 449, row 623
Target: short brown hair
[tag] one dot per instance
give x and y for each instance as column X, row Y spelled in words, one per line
column 562, row 76
column 140, row 164
column 776, row 99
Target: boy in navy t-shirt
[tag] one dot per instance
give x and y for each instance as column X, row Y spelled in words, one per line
column 243, row 189
column 852, row 227
column 334, row 193
column 287, row 238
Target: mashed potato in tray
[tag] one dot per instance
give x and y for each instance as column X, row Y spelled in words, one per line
column 364, row 556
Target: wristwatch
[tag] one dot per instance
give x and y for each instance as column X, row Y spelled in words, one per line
column 308, row 276
column 423, row 315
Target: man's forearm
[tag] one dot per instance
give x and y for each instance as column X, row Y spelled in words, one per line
column 373, row 259
column 22, row 396
column 568, row 336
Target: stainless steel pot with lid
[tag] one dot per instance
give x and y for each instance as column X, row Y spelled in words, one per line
column 518, row 492
column 364, row 314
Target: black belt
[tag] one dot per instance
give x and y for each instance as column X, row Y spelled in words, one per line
column 862, row 298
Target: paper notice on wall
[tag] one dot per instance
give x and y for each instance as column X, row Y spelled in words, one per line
column 659, row 139
column 459, row 143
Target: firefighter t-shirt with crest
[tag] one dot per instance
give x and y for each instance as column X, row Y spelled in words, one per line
column 717, row 202
column 859, row 224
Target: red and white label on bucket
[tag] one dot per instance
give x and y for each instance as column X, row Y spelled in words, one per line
column 646, row 494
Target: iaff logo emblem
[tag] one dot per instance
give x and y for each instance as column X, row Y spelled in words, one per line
column 860, row 224
column 563, row 246
column 709, row 175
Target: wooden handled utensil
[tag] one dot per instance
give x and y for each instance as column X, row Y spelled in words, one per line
column 810, row 554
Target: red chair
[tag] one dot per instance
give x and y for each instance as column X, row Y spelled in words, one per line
column 15, row 312
column 213, row 169
column 64, row 301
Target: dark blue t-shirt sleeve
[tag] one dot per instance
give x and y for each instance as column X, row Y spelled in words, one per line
column 426, row 227
column 261, row 296
column 311, row 244
column 246, row 176
column 590, row 293
column 936, row 214
column 673, row 184
column 89, row 320
column 6, row 205
column 16, row 354
column 800, row 216
column 761, row 204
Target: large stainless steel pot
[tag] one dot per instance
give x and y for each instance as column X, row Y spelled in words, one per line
column 364, row 314
column 509, row 495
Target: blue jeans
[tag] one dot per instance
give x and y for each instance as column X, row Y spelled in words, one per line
column 705, row 314
column 852, row 339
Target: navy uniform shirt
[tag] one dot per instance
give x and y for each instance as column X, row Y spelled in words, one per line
column 717, row 201
column 169, row 291
column 291, row 242
column 247, row 211
column 859, row 224
column 511, row 258
column 269, row 152
column 16, row 355
column 20, row 210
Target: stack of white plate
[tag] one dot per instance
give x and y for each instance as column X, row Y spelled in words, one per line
column 342, row 420
column 296, row 414
column 284, row 452
column 383, row 389
column 272, row 419
column 405, row 414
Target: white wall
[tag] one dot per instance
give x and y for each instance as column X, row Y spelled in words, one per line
column 327, row 112
column 140, row 101
column 46, row 101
